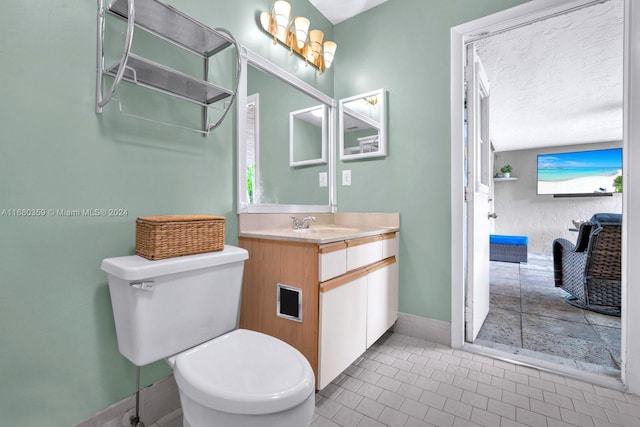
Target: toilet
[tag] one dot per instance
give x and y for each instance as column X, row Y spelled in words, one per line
column 185, row 310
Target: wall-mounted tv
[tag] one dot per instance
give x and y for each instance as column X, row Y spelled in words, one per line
column 580, row 172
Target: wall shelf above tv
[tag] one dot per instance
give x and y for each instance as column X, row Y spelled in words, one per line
column 558, row 196
column 511, row 178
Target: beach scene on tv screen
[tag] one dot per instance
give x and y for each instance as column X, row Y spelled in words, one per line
column 580, row 172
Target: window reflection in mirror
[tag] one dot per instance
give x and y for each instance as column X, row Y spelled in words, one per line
column 308, row 136
column 253, row 148
column 363, row 126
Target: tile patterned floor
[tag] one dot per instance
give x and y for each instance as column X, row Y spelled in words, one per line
column 529, row 316
column 407, row 382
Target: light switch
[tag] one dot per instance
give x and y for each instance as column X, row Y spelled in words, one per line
column 322, row 177
column 346, row 177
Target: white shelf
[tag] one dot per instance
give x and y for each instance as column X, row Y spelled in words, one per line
column 511, row 178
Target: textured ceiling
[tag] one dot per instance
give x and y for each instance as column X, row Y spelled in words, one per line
column 558, row 81
column 337, row 11
column 553, row 82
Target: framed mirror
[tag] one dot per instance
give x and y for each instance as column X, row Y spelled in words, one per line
column 275, row 132
column 363, row 125
column 308, row 136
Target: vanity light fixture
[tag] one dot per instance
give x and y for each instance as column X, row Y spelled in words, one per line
column 294, row 33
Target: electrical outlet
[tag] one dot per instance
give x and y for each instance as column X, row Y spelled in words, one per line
column 346, row 177
column 322, row 177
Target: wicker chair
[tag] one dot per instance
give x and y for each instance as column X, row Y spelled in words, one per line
column 590, row 270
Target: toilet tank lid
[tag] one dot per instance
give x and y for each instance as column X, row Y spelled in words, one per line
column 135, row 267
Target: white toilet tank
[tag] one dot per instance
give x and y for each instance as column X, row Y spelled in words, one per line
column 167, row 306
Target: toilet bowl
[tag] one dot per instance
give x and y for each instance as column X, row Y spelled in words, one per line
column 185, row 310
column 244, row 378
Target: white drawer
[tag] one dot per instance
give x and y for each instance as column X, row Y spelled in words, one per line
column 390, row 245
column 364, row 251
column 332, row 261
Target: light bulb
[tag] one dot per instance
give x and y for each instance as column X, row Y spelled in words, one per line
column 329, row 53
column 302, row 28
column 281, row 10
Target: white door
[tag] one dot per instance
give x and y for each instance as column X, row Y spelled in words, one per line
column 477, row 195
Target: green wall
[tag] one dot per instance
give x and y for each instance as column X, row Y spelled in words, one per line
column 59, row 361
column 404, row 47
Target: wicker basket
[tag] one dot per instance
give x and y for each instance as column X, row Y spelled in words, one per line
column 160, row 237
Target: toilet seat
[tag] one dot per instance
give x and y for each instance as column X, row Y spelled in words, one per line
column 245, row 372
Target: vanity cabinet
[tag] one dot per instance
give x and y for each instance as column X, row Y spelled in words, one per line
column 348, row 289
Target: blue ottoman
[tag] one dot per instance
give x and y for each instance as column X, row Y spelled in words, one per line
column 508, row 248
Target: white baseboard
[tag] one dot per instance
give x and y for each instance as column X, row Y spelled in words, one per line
column 424, row 328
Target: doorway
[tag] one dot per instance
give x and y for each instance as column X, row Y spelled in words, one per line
column 533, row 11
column 538, row 75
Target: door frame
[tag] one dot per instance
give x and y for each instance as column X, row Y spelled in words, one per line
column 502, row 21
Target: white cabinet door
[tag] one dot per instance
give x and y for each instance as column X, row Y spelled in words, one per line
column 382, row 299
column 343, row 325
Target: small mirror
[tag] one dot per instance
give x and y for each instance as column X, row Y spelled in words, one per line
column 308, row 136
column 363, row 126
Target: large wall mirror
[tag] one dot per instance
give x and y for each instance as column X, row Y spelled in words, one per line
column 285, row 131
column 363, row 125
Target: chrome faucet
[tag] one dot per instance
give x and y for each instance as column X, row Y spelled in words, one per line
column 298, row 223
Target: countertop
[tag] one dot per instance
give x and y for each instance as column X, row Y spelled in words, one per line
column 319, row 234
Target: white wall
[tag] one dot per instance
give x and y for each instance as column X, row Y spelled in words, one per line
column 542, row 218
